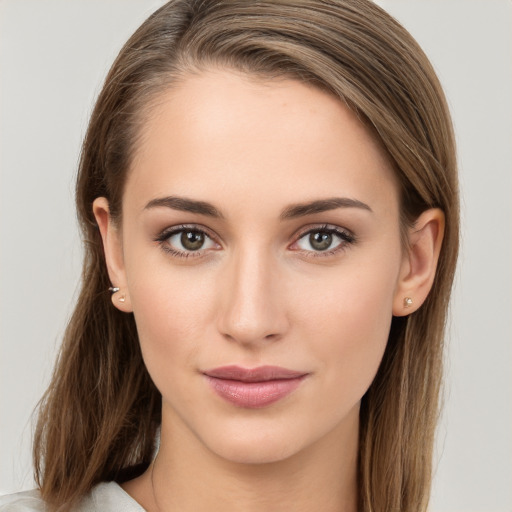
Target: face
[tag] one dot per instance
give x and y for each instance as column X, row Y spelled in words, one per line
column 260, row 229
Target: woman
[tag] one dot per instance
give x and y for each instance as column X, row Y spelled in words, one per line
column 269, row 192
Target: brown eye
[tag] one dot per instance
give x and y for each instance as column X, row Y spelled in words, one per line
column 324, row 240
column 186, row 241
column 192, row 240
column 320, row 240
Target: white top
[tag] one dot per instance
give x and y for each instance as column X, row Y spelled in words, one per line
column 105, row 497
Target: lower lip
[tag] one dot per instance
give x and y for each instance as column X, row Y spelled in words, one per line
column 254, row 395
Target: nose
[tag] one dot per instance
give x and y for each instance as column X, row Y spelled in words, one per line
column 252, row 308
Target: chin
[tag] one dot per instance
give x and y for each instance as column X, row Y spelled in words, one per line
column 251, row 453
column 257, row 443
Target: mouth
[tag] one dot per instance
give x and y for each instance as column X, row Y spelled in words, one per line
column 253, row 388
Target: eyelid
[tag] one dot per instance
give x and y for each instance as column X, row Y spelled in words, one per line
column 346, row 236
column 172, row 230
column 332, row 228
column 168, row 232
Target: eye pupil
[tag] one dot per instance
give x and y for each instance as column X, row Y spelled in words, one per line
column 320, row 240
column 192, row 240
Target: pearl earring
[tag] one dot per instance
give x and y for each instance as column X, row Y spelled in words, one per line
column 407, row 302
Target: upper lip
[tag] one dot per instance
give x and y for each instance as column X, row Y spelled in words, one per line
column 259, row 374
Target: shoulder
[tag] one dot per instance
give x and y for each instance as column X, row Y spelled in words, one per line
column 105, row 497
column 27, row 501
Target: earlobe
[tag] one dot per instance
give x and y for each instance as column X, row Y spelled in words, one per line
column 112, row 247
column 420, row 262
column 121, row 300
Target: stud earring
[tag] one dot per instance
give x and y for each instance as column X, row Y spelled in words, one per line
column 407, row 302
column 113, row 289
column 122, row 298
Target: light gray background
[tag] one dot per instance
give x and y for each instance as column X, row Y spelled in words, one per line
column 53, row 57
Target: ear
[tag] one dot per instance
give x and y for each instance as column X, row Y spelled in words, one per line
column 113, row 247
column 419, row 264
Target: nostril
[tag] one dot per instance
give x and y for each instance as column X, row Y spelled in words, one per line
column 250, row 337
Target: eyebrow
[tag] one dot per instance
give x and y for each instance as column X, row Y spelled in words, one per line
column 291, row 212
column 185, row 205
column 321, row 205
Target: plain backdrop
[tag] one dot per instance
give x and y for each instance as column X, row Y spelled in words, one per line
column 54, row 55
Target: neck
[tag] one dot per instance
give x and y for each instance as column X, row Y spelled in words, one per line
column 187, row 476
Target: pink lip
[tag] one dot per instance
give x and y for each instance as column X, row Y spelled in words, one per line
column 253, row 387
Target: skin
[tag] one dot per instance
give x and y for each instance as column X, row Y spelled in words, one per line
column 258, row 292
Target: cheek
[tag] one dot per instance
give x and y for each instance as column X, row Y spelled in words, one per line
column 172, row 311
column 347, row 321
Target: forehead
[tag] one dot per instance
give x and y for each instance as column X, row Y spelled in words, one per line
column 222, row 135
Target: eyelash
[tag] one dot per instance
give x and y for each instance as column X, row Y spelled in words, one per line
column 346, row 239
column 164, row 236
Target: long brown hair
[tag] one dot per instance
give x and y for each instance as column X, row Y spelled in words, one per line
column 99, row 418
